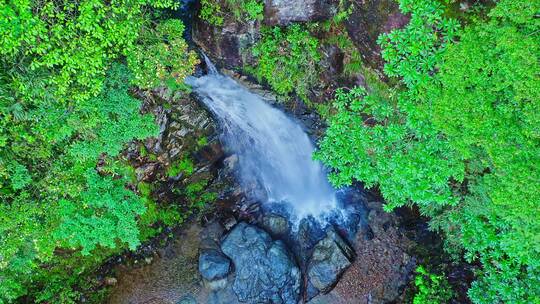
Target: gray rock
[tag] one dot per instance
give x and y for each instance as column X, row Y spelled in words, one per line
column 146, row 172
column 275, row 224
column 285, row 12
column 331, row 257
column 265, row 270
column 213, row 265
column 229, row 43
column 211, row 235
column 217, row 284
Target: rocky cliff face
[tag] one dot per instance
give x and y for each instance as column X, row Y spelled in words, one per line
column 230, row 42
column 367, row 21
column 187, row 131
column 285, row 12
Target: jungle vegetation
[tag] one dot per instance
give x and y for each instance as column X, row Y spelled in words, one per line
column 66, row 113
column 458, row 137
column 456, row 132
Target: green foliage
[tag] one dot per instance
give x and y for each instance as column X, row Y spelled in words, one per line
column 460, row 138
column 287, row 59
column 161, row 57
column 64, row 204
column 196, row 194
column 71, row 205
column 246, row 9
column 202, row 141
column 345, row 9
column 184, row 166
column 432, row 288
column 215, row 11
column 413, row 52
column 367, row 140
column 486, row 103
column 211, row 12
column 76, row 39
column 156, row 214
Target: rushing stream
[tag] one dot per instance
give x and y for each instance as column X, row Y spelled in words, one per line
column 274, row 151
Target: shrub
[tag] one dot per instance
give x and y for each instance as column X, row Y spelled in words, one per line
column 161, row 57
column 432, row 288
column 287, row 59
column 246, row 9
column 214, row 11
column 211, row 12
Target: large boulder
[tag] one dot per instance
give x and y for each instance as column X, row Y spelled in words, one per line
column 285, row 12
column 265, row 270
column 275, row 224
column 213, row 265
column 331, row 257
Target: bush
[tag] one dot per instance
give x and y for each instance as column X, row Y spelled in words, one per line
column 215, row 11
column 485, row 101
column 432, row 288
column 287, row 59
column 72, row 206
column 161, row 56
column 211, row 12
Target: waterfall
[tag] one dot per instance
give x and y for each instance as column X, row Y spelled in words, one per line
column 273, row 150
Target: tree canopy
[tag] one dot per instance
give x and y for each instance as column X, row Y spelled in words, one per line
column 460, row 138
column 65, row 114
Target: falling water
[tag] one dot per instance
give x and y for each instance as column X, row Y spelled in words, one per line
column 273, row 150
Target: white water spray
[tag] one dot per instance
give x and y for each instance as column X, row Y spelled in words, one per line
column 273, row 150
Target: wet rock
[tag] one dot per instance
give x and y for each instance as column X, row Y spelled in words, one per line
column 368, row 20
column 265, row 270
column 309, row 233
column 213, row 265
column 217, row 284
column 230, row 223
column 331, row 257
column 275, row 224
column 332, row 63
column 228, row 43
column 210, row 153
column 285, row 12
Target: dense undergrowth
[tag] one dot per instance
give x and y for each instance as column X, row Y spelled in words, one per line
column 65, row 115
column 287, row 60
column 214, row 11
column 459, row 138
